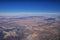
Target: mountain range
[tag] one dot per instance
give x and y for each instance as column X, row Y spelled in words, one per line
column 29, row 28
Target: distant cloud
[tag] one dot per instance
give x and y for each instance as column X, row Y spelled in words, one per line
column 29, row 14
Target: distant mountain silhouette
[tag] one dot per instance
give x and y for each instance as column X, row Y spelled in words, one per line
column 30, row 17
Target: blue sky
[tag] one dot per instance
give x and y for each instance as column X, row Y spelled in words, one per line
column 16, row 7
